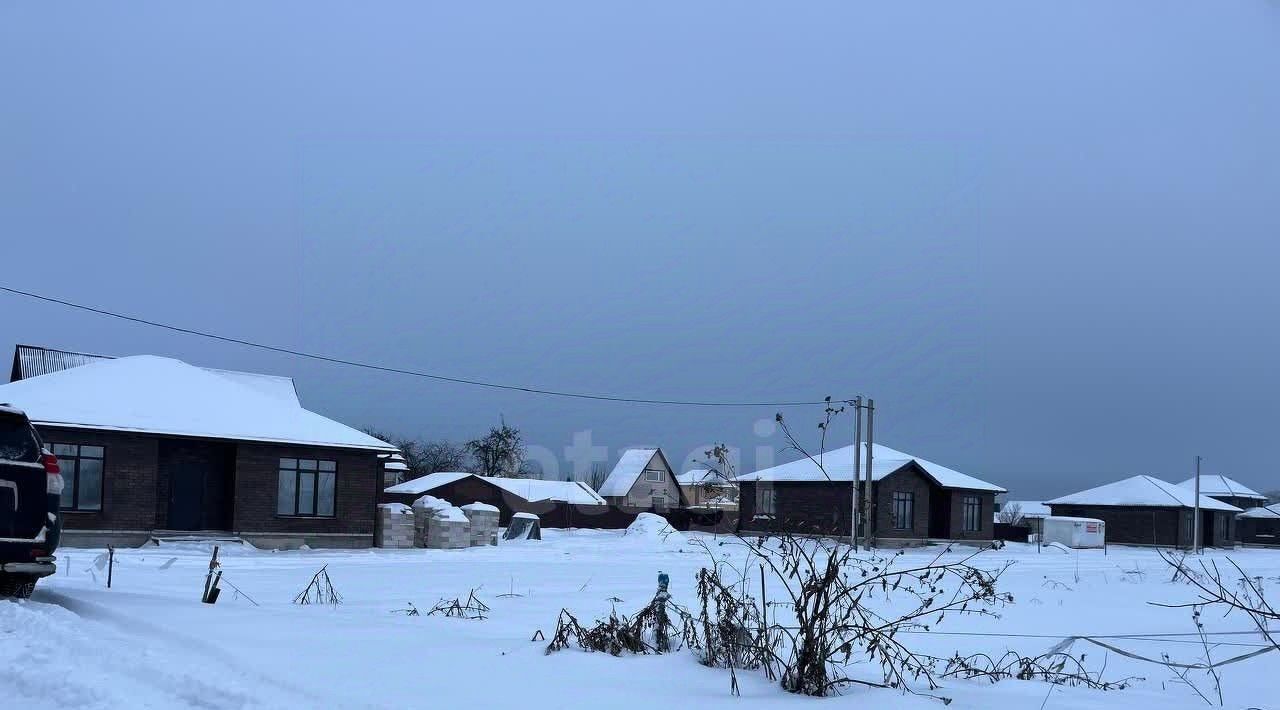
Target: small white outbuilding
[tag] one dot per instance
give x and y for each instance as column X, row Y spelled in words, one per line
column 1078, row 533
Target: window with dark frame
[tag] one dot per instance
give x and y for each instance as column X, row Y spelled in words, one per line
column 655, row 475
column 306, row 488
column 82, row 468
column 972, row 506
column 904, row 510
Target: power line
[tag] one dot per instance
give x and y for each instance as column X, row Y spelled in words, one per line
column 398, row 370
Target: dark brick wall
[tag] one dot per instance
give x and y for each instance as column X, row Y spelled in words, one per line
column 1259, row 531
column 257, row 476
column 822, row 508
column 1139, row 526
column 129, row 500
column 905, row 480
column 986, row 516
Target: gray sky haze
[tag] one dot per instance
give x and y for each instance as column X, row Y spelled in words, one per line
column 1043, row 235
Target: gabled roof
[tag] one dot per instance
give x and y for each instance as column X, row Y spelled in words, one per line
column 32, row 361
column 1221, row 486
column 535, row 489
column 158, row 395
column 1142, row 492
column 838, row 466
column 422, row 484
column 703, row 477
column 530, row 489
column 1269, row 512
column 627, row 471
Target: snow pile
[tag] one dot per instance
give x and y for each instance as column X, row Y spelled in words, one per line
column 451, row 514
column 481, row 506
column 431, row 503
column 654, row 530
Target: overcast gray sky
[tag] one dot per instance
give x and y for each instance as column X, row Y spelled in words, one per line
column 1042, row 235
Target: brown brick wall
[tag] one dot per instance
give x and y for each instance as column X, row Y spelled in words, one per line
column 906, row 480
column 1139, row 526
column 129, row 499
column 257, row 476
column 986, row 516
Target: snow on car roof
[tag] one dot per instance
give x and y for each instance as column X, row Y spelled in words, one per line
column 158, row 395
column 837, row 465
column 1141, row 492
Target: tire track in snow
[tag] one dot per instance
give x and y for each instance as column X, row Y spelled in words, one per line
column 180, row 670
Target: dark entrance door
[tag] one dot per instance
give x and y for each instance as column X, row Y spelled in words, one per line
column 198, row 475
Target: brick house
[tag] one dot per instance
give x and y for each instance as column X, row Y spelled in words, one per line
column 1143, row 510
column 1227, row 490
column 1259, row 526
column 643, row 478
column 152, row 447
column 912, row 500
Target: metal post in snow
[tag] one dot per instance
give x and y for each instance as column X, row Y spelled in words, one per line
column 853, row 480
column 111, row 563
column 866, row 489
column 1195, row 527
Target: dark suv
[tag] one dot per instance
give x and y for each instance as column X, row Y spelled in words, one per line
column 30, row 490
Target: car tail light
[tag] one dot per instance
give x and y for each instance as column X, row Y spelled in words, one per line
column 53, row 474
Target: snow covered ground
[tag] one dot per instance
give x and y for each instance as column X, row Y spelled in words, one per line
column 149, row 643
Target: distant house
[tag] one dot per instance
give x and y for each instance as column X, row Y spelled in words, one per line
column 1144, row 510
column 704, row 488
column 642, row 478
column 1227, row 490
column 509, row 495
column 912, row 499
column 153, row 447
column 1260, row 525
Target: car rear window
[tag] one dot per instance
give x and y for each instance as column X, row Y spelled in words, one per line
column 17, row 443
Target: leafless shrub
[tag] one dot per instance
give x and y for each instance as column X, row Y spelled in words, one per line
column 319, row 591
column 456, row 608
column 1056, row 668
column 651, row 630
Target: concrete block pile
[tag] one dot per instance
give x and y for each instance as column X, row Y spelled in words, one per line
column 449, row 529
column 423, row 510
column 394, row 526
column 484, row 523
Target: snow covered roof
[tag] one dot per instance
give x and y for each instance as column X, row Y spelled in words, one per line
column 702, row 477
column 838, row 464
column 530, row 489
column 1221, row 486
column 1144, row 492
column 534, row 489
column 1027, row 508
column 395, row 466
column 159, row 395
column 1265, row 511
column 422, row 484
column 625, row 473
column 33, row 361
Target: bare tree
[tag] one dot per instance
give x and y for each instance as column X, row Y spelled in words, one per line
column 498, row 453
column 1272, row 496
column 442, row 455
column 1010, row 514
column 597, row 477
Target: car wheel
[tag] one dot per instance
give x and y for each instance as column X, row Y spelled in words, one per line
column 18, row 586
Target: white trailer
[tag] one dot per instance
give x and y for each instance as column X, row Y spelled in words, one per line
column 1079, row 533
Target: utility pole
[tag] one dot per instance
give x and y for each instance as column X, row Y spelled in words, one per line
column 857, row 468
column 867, row 497
column 1195, row 527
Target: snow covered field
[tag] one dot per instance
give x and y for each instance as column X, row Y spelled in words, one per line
column 149, row 642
